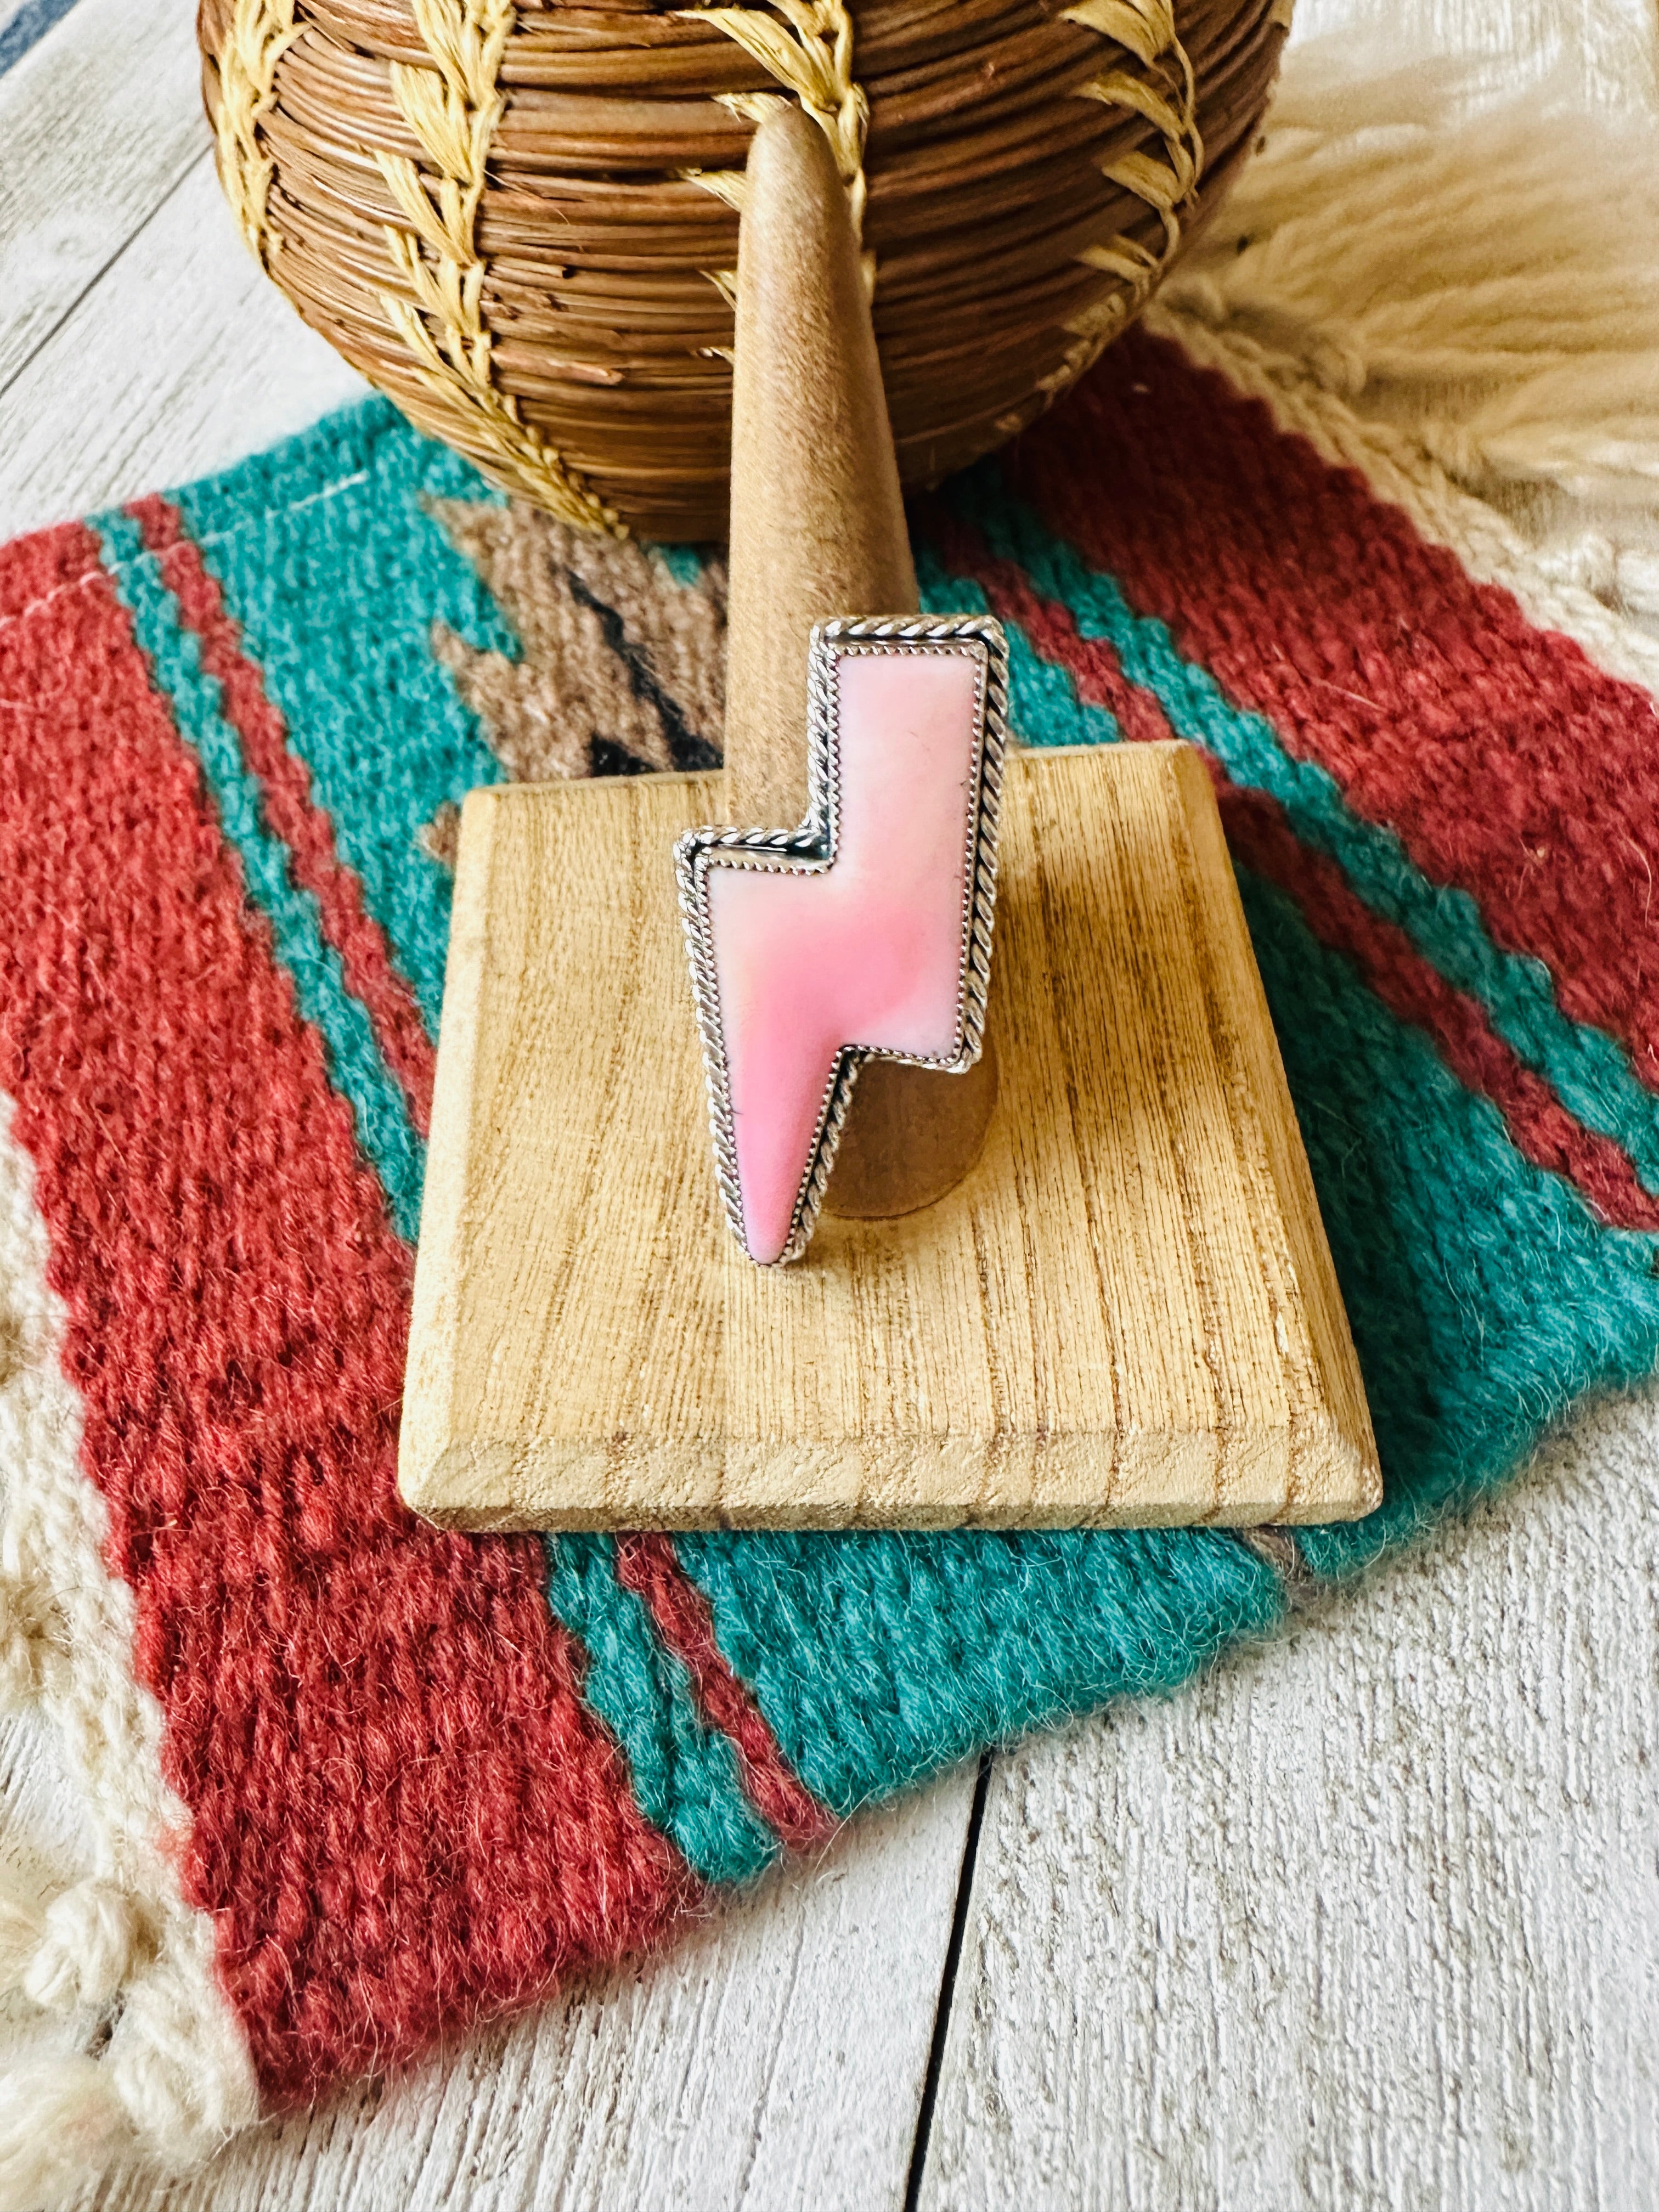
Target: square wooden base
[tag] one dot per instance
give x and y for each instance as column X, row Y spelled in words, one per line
column 1126, row 1313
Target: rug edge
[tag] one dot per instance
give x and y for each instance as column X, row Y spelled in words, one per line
column 1400, row 472
column 119, row 1949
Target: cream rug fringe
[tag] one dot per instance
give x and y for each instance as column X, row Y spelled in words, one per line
column 1460, row 296
column 126, row 1964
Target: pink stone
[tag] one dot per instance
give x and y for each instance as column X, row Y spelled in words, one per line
column 869, row 953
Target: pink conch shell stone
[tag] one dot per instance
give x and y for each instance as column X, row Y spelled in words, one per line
column 869, row 953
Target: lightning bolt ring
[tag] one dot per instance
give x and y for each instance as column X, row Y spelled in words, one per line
column 813, row 849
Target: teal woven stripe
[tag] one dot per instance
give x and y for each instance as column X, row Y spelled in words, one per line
column 1484, row 1296
column 684, row 564
column 686, row 1777
column 325, row 999
column 336, row 571
column 879, row 1659
column 1589, row 1069
column 1044, row 708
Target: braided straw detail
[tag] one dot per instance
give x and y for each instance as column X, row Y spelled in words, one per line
column 260, row 34
column 815, row 64
column 453, row 108
column 1147, row 30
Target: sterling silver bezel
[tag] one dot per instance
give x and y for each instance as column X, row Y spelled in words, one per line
column 810, row 850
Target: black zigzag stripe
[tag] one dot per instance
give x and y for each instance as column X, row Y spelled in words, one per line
column 687, row 749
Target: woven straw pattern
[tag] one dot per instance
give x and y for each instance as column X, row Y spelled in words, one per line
column 520, row 220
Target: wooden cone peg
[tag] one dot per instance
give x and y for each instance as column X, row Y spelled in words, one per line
column 818, row 530
column 1122, row 1313
column 817, row 518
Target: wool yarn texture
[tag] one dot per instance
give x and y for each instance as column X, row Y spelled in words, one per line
column 356, row 1783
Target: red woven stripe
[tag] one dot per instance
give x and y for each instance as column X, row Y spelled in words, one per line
column 401, row 1813
column 649, row 1565
column 1509, row 764
column 1093, row 664
column 290, row 812
column 38, row 570
column 1540, row 1127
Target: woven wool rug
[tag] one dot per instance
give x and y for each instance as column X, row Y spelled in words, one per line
column 357, row 1784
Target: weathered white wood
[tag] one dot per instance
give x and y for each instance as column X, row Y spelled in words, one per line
column 9, row 9
column 183, row 359
column 1370, row 1918
column 1604, row 49
column 98, row 123
column 42, row 1850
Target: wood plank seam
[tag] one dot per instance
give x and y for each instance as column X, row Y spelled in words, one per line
column 92, row 283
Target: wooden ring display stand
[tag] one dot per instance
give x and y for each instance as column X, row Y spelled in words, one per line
column 1122, row 1308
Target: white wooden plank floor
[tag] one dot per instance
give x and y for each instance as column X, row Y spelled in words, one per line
column 1368, row 1918
column 1371, row 1917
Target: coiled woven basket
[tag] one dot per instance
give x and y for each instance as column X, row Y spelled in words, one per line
column 520, row 217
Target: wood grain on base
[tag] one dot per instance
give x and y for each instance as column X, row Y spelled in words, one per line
column 1125, row 1314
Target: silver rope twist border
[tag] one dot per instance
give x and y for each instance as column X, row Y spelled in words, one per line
column 810, row 850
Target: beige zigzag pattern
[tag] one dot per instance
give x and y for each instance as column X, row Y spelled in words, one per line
column 619, row 663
